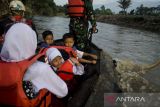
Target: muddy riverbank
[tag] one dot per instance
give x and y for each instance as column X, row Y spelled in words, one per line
column 149, row 23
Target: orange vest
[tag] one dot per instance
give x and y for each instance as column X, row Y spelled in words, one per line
column 11, row 89
column 76, row 8
column 65, row 72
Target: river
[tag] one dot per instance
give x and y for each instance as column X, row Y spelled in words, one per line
column 140, row 46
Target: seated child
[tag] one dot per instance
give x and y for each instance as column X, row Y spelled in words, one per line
column 71, row 66
column 48, row 39
column 68, row 39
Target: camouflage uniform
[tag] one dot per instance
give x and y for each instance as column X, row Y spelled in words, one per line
column 79, row 26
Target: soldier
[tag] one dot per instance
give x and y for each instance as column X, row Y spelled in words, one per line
column 80, row 12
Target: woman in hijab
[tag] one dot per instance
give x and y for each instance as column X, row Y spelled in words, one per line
column 20, row 44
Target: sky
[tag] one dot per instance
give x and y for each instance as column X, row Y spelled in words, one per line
column 113, row 5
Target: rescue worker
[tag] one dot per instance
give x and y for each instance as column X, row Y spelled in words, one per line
column 80, row 12
column 17, row 12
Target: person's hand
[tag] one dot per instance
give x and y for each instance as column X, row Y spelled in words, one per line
column 94, row 56
column 75, row 61
column 94, row 61
column 94, row 29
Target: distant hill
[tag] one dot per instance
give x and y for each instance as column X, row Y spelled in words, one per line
column 114, row 5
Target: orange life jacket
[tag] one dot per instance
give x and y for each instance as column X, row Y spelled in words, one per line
column 76, row 8
column 65, row 72
column 11, row 89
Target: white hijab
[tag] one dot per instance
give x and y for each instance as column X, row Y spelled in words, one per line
column 20, row 43
column 52, row 53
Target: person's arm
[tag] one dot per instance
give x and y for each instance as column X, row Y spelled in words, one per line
column 90, row 14
column 91, row 55
column 78, row 69
column 42, row 76
column 58, row 86
column 81, row 60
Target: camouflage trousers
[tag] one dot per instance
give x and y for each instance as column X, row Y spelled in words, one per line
column 79, row 27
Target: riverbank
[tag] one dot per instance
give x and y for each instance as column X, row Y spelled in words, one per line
column 149, row 23
column 127, row 77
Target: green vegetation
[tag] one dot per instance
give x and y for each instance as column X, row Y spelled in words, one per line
column 103, row 11
column 41, row 7
column 35, row 7
column 150, row 11
column 147, row 18
column 62, row 9
column 124, row 4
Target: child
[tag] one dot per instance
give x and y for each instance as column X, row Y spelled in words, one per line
column 48, row 39
column 68, row 39
column 71, row 66
column 66, row 70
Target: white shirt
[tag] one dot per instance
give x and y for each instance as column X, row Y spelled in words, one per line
column 79, row 53
column 77, row 70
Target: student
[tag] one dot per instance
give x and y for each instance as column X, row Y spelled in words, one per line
column 20, row 44
column 68, row 39
column 65, row 69
column 48, row 39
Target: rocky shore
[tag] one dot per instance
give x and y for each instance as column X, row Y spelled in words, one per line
column 127, row 77
column 150, row 23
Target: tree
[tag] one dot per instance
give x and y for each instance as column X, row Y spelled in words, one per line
column 103, row 9
column 153, row 11
column 47, row 7
column 132, row 12
column 124, row 4
column 97, row 11
column 140, row 10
